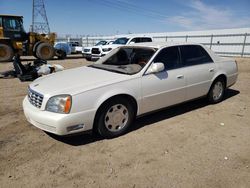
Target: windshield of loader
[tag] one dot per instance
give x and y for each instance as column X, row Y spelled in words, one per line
column 12, row 24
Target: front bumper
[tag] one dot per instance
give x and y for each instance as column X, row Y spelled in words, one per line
column 59, row 124
column 86, row 55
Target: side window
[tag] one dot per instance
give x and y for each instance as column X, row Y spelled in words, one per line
column 169, row 57
column 137, row 40
column 146, row 40
column 133, row 40
column 194, row 55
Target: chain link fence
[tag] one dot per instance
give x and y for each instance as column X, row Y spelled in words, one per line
column 222, row 44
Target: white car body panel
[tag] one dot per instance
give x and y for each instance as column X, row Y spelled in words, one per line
column 91, row 87
column 168, row 87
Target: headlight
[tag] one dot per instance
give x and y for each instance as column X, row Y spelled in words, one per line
column 106, row 49
column 59, row 104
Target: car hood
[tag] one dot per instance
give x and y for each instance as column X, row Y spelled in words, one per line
column 75, row 81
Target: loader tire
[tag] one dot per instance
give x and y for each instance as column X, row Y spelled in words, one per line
column 35, row 48
column 6, row 53
column 45, row 51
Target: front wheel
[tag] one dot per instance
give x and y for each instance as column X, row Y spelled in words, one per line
column 115, row 117
column 217, row 91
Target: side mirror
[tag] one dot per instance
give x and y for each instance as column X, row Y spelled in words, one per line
column 155, row 67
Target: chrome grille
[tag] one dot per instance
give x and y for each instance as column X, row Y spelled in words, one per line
column 35, row 98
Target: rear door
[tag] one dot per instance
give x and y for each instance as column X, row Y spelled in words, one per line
column 199, row 70
column 167, row 87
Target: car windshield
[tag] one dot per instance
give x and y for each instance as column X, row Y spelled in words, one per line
column 121, row 41
column 126, row 60
column 102, row 42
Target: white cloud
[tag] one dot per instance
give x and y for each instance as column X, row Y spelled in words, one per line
column 204, row 16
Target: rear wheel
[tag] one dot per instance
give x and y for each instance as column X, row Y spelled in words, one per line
column 217, row 91
column 115, row 117
column 6, row 53
column 45, row 51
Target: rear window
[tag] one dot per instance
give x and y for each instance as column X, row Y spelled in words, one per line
column 194, row 55
column 141, row 39
column 146, row 40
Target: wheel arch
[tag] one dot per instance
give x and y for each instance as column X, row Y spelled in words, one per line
column 129, row 97
column 216, row 77
column 222, row 76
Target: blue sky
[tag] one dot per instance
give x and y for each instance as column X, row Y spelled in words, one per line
column 107, row 17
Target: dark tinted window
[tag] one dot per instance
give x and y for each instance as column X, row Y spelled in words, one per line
column 146, row 40
column 12, row 24
column 194, row 55
column 143, row 39
column 169, row 56
column 136, row 40
column 121, row 41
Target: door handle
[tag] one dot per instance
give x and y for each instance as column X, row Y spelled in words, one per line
column 211, row 70
column 180, row 77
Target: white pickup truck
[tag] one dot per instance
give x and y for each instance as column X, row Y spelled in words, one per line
column 86, row 51
column 100, row 51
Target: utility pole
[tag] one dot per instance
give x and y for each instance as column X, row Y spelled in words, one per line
column 40, row 22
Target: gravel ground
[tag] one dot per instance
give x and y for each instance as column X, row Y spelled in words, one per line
column 190, row 145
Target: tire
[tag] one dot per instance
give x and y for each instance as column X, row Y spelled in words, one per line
column 45, row 51
column 217, row 91
column 35, row 48
column 6, row 53
column 88, row 58
column 61, row 54
column 114, row 117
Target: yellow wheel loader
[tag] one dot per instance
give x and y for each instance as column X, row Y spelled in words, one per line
column 14, row 40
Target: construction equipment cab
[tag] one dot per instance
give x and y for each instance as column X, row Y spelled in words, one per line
column 14, row 39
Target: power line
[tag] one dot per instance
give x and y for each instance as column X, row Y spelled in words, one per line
column 128, row 7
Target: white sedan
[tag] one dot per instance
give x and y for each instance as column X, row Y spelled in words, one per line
column 130, row 81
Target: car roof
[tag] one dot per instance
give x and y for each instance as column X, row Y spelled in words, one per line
column 162, row 44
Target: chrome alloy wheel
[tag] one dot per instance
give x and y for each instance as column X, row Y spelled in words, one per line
column 217, row 90
column 116, row 117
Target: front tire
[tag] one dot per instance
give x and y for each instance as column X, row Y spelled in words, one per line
column 115, row 117
column 217, row 91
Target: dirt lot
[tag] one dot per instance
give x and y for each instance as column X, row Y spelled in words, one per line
column 190, row 145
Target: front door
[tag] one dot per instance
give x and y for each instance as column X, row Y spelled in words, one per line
column 165, row 88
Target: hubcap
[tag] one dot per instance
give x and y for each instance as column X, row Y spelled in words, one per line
column 116, row 117
column 217, row 90
column 45, row 50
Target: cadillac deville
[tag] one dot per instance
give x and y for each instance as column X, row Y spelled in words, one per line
column 130, row 81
